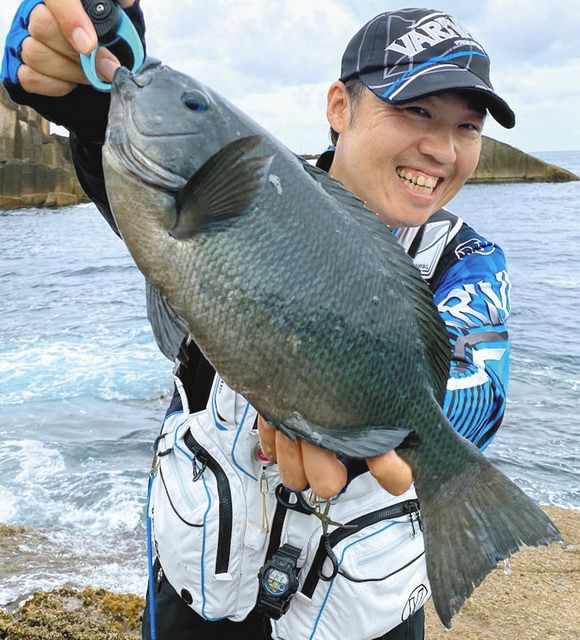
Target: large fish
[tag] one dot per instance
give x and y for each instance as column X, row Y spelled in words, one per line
column 305, row 304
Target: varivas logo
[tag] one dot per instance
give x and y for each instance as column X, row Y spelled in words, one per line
column 416, row 600
column 428, row 35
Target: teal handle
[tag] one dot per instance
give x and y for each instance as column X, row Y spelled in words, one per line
column 126, row 32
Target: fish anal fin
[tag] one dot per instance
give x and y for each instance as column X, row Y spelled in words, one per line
column 224, row 187
column 354, row 442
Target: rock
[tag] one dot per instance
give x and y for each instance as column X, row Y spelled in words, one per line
column 501, row 163
column 35, row 167
column 90, row 614
column 536, row 601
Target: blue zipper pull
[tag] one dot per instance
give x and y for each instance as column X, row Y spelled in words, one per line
column 112, row 25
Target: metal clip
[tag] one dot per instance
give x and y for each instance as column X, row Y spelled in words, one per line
column 198, row 471
column 154, row 465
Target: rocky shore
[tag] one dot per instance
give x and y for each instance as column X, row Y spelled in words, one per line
column 35, row 166
column 500, row 162
column 535, row 599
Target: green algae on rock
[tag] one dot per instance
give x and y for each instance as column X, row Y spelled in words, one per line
column 90, row 614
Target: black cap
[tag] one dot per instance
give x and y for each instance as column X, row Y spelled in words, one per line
column 413, row 53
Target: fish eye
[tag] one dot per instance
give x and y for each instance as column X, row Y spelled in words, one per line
column 195, row 101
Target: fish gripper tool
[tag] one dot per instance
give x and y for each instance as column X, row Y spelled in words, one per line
column 112, row 25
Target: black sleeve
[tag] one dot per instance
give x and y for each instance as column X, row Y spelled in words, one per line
column 88, row 162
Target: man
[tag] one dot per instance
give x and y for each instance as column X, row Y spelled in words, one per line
column 406, row 119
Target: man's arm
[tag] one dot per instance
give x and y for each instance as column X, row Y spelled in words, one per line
column 473, row 298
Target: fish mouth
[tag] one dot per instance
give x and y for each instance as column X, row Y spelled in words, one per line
column 141, row 166
column 121, row 123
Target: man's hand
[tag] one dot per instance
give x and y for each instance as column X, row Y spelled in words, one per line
column 301, row 463
column 59, row 31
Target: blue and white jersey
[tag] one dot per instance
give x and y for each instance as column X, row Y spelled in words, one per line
column 473, row 298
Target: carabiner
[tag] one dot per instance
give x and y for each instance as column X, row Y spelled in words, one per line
column 112, row 25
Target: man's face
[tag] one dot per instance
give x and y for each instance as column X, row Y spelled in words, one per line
column 406, row 162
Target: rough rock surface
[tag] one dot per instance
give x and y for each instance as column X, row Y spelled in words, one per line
column 501, row 163
column 35, row 167
column 537, row 601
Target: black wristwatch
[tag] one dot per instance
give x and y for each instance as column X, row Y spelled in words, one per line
column 278, row 580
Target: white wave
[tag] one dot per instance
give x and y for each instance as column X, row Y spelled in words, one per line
column 37, row 461
column 8, row 508
column 97, row 368
column 563, row 282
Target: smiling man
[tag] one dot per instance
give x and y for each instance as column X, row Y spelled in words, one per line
column 406, row 118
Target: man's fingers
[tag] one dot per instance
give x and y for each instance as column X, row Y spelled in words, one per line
column 267, row 435
column 74, row 23
column 34, row 82
column 44, row 28
column 290, row 463
column 391, row 472
column 325, row 473
column 49, row 63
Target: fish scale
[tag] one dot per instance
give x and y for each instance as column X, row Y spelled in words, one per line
column 306, row 305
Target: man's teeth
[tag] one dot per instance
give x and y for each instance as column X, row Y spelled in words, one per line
column 418, row 183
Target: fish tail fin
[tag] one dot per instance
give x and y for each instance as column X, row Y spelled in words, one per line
column 472, row 520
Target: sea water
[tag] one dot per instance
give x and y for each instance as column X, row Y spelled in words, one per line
column 83, row 386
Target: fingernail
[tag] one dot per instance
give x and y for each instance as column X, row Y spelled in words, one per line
column 106, row 68
column 82, row 41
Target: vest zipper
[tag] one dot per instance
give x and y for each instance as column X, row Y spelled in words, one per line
column 408, row 508
column 224, row 498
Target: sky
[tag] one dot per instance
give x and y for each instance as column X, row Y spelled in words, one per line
column 275, row 59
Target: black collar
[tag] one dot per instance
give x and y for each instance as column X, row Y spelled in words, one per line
column 325, row 160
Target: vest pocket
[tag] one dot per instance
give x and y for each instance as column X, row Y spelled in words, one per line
column 199, row 521
column 381, row 568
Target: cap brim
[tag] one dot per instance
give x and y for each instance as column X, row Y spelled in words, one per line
column 437, row 80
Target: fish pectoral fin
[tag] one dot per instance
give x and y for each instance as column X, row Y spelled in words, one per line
column 223, row 187
column 354, row 442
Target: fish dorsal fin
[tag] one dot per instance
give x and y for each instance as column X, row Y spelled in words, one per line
column 430, row 323
column 223, row 187
column 355, row 205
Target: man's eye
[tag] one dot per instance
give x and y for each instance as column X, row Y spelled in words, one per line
column 419, row 111
column 470, row 126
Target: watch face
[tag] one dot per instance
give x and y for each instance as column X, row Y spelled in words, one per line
column 276, row 582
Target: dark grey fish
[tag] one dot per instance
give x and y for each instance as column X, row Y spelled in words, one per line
column 306, row 305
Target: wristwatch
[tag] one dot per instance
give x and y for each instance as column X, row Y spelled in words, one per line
column 278, row 580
